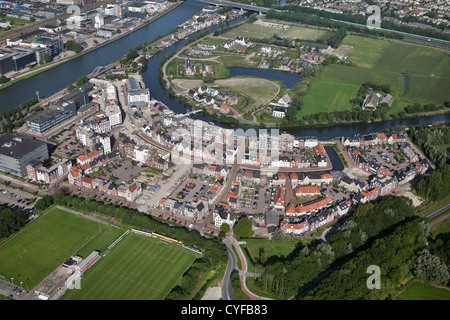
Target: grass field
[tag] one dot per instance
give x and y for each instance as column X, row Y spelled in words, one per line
column 302, row 33
column 359, row 75
column 426, row 73
column 250, row 30
column 410, row 59
column 328, row 96
column 422, row 291
column 137, row 268
column 271, row 247
column 44, row 245
column 366, row 51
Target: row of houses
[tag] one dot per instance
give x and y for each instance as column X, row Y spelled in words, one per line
column 193, row 210
column 128, row 191
column 145, row 155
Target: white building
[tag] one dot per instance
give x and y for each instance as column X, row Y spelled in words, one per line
column 114, row 114
column 279, row 113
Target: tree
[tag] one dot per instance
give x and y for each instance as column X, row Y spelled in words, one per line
column 243, row 228
column 47, row 58
column 225, row 227
column 277, row 234
column 82, row 80
column 209, row 78
column 3, row 79
column 73, row 46
column 430, row 268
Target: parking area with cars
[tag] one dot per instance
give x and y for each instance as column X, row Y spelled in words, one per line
column 191, row 190
column 388, row 157
column 15, row 198
column 254, row 200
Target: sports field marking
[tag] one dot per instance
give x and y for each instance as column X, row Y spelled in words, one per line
column 155, row 256
column 124, row 277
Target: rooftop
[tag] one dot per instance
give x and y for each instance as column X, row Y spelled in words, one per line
column 17, row 146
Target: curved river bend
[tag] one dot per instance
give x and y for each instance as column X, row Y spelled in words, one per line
column 59, row 77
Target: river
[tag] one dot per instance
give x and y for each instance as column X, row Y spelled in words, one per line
column 59, row 77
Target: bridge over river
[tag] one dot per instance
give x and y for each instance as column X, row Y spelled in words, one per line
column 224, row 3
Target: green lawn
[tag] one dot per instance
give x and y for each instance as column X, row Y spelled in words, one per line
column 422, row 291
column 271, row 247
column 328, row 96
column 250, row 30
column 426, row 74
column 44, row 245
column 359, row 75
column 102, row 241
column 366, row 51
column 302, row 33
column 137, row 268
column 411, row 59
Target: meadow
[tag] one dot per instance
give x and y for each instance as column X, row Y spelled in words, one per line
column 44, row 245
column 302, row 33
column 425, row 70
column 422, row 291
column 271, row 248
column 250, row 30
column 366, row 51
column 137, row 268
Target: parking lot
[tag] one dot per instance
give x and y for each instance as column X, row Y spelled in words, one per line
column 69, row 147
column 191, row 189
column 15, row 198
column 254, row 200
column 121, row 173
column 386, row 157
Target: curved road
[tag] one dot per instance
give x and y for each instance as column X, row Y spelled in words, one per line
column 243, row 273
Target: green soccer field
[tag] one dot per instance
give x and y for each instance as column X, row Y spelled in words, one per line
column 137, row 268
column 42, row 246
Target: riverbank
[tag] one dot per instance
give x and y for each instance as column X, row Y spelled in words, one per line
column 57, row 63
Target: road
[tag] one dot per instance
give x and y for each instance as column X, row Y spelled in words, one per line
column 437, row 211
column 244, row 273
column 227, row 289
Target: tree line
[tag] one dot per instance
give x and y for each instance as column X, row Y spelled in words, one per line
column 321, row 17
column 435, row 186
column 432, row 141
column 10, row 221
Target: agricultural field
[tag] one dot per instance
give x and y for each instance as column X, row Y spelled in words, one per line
column 328, row 96
column 422, row 291
column 137, row 268
column 425, row 71
column 302, row 33
column 43, row 245
column 410, row 59
column 366, row 51
column 358, row 75
column 252, row 30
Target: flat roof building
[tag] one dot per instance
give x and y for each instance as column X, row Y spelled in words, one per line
column 16, row 151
